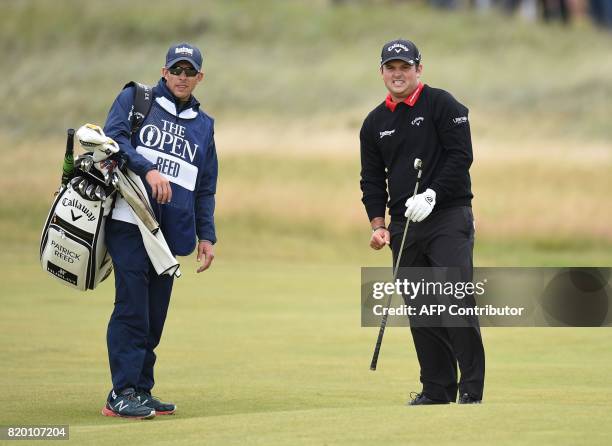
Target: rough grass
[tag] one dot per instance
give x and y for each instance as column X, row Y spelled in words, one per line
column 544, row 206
column 276, row 62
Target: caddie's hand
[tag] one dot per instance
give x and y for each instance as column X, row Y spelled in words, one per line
column 380, row 238
column 206, row 254
column 420, row 206
column 160, row 186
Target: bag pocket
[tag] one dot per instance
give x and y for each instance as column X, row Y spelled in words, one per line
column 67, row 257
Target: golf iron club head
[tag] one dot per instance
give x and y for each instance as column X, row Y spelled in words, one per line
column 100, row 194
column 75, row 181
column 89, row 192
column 82, row 187
column 86, row 163
column 418, row 164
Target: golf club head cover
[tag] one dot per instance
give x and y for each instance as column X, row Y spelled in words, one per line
column 92, row 138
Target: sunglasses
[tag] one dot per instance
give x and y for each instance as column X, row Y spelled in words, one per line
column 177, row 71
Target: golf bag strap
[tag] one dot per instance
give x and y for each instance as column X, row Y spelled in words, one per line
column 142, row 104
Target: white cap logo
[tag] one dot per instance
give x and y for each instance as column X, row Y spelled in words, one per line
column 184, row 50
column 398, row 47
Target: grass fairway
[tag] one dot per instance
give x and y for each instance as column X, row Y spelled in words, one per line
column 272, row 353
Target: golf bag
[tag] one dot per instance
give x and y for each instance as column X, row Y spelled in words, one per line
column 72, row 248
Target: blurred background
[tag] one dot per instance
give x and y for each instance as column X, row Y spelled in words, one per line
column 266, row 347
column 289, row 83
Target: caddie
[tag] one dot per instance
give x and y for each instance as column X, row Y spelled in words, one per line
column 419, row 121
column 174, row 154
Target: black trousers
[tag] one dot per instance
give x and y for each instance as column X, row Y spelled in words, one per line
column 444, row 239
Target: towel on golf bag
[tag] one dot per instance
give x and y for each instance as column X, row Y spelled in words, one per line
column 133, row 191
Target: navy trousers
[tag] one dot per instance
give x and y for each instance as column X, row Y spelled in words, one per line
column 141, row 304
column 444, row 239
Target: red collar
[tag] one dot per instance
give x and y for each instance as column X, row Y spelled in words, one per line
column 410, row 100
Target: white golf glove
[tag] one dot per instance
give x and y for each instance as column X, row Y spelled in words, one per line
column 420, row 206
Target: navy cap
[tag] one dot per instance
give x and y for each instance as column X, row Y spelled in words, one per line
column 184, row 51
column 400, row 49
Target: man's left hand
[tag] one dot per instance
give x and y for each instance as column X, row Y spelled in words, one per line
column 206, row 254
column 420, row 206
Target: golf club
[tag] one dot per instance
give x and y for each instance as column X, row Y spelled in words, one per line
column 86, row 163
column 68, row 166
column 89, row 192
column 75, row 181
column 100, row 194
column 82, row 188
column 418, row 165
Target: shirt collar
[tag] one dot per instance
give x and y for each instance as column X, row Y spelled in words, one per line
column 163, row 90
column 410, row 100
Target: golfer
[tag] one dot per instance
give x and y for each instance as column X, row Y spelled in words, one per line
column 174, row 153
column 418, row 121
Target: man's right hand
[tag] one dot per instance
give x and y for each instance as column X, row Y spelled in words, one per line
column 160, row 186
column 380, row 238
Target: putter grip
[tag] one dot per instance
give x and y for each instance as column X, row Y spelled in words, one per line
column 68, row 166
column 381, row 333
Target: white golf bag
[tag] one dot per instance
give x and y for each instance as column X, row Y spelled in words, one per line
column 72, row 247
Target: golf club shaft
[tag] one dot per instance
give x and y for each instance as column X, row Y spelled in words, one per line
column 68, row 167
column 383, row 322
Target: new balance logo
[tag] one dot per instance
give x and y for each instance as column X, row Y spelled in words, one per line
column 417, row 121
column 460, row 120
column 120, row 405
column 386, row 133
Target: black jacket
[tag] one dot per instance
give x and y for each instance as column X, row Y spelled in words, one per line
column 436, row 130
